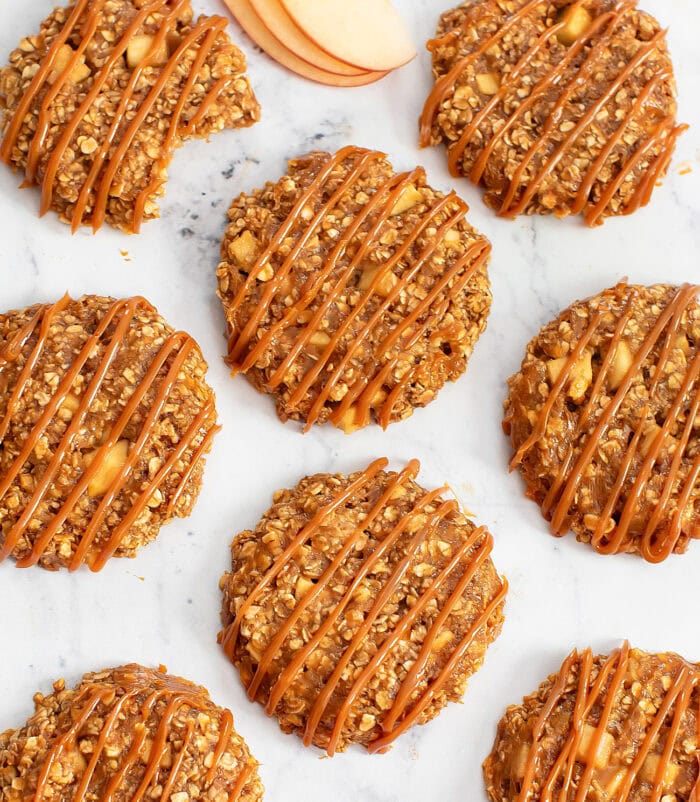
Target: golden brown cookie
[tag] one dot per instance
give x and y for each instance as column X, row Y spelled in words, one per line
column 360, row 606
column 351, row 292
column 127, row 733
column 604, row 419
column 92, row 107
column 105, row 418
column 554, row 107
column 623, row 727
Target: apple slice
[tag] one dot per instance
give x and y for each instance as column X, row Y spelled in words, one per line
column 282, row 27
column 244, row 12
column 368, row 34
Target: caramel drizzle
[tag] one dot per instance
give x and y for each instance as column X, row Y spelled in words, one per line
column 656, row 545
column 603, row 690
column 93, row 696
column 243, row 354
column 176, row 348
column 468, row 558
column 105, row 168
column 665, row 134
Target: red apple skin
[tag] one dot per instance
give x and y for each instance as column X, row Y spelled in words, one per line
column 244, row 13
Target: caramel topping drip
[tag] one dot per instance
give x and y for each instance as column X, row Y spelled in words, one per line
column 597, row 697
column 155, row 710
column 173, row 353
column 660, row 535
column 542, row 158
column 458, row 573
column 353, row 331
column 109, row 157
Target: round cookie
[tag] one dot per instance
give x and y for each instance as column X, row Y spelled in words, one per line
column 359, row 606
column 94, row 105
column 105, row 418
column 622, row 727
column 127, row 733
column 554, row 107
column 351, row 293
column 604, row 419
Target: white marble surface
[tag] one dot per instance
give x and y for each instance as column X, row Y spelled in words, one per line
column 164, row 607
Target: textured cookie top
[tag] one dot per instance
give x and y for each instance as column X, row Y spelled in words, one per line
column 124, row 735
column 359, row 606
column 351, row 292
column 92, row 107
column 623, row 727
column 604, row 417
column 104, row 421
column 554, row 106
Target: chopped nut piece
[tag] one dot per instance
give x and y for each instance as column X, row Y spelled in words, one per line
column 139, row 48
column 78, row 74
column 244, row 249
column 577, row 20
column 443, row 639
column 488, row 82
column 319, row 339
column 580, row 375
column 406, row 200
column 349, row 422
column 302, row 587
column 386, row 283
column 651, row 432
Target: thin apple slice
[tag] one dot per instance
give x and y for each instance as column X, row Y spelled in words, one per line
column 244, row 12
column 368, row 34
column 282, row 27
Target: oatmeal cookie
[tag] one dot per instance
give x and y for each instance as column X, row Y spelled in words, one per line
column 105, row 418
column 604, row 417
column 360, row 606
column 615, row 728
column 351, row 292
column 127, row 733
column 93, row 106
column 554, row 106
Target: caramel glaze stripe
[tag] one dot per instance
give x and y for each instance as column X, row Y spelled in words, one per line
column 674, row 309
column 63, row 449
column 382, row 203
column 324, row 580
column 595, row 393
column 287, row 676
column 403, row 281
column 70, row 130
column 446, row 672
column 445, row 83
column 414, row 677
column 677, row 700
column 390, row 587
column 511, row 209
column 180, row 345
column 229, row 635
column 583, row 195
column 13, row 350
column 312, row 292
column 98, row 563
column 238, row 342
column 208, row 24
column 540, row 88
column 72, row 124
column 59, row 396
column 551, row 161
column 88, row 28
column 365, row 388
column 11, row 134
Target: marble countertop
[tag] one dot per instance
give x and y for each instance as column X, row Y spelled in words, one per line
column 164, row 606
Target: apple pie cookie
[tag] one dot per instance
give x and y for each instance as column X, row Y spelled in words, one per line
column 554, row 107
column 618, row 727
column 360, row 606
column 105, row 418
column 604, row 418
column 351, row 292
column 127, row 733
column 92, row 107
